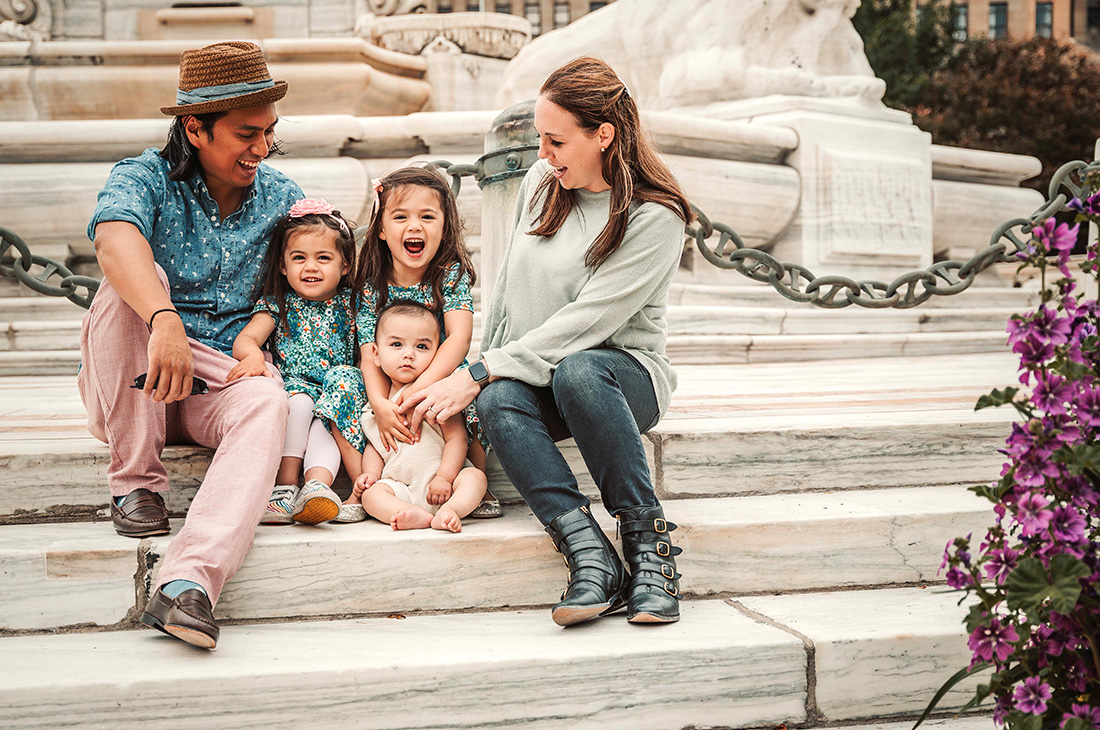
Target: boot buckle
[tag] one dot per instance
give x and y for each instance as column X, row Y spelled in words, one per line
column 671, row 591
column 660, row 525
column 667, row 549
column 671, row 574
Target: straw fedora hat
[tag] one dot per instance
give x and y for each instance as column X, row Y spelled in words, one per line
column 222, row 77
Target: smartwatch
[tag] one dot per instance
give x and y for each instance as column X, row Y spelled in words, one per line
column 479, row 373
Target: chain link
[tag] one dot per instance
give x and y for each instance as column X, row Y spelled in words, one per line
column 23, row 264
column 793, row 281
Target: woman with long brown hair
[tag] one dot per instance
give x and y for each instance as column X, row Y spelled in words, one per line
column 598, row 235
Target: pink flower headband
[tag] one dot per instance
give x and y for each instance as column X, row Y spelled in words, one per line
column 317, row 206
column 376, row 186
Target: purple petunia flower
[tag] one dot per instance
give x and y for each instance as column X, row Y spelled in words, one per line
column 1087, row 713
column 1043, row 324
column 1032, row 470
column 1000, row 564
column 1047, row 641
column 1051, row 393
column 1087, row 405
column 1088, row 206
column 1005, row 704
column 993, row 640
column 1032, row 695
column 957, row 579
column 1033, row 351
column 1067, row 524
column 1056, row 236
column 1031, row 515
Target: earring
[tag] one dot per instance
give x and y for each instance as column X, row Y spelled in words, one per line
column 603, row 149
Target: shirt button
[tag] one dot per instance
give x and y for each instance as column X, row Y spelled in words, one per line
column 213, row 217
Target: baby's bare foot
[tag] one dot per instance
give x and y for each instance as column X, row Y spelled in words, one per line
column 411, row 518
column 446, row 519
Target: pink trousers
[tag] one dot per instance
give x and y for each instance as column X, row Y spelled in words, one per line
column 244, row 421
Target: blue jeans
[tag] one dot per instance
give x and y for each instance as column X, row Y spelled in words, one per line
column 604, row 399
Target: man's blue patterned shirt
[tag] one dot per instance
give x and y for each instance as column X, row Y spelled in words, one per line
column 212, row 264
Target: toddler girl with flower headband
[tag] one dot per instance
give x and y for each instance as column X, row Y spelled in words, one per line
column 306, row 314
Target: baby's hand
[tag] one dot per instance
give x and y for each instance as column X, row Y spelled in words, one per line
column 363, row 481
column 252, row 365
column 439, row 491
column 392, row 426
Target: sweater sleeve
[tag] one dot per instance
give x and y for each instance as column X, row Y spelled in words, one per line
column 495, row 315
column 619, row 290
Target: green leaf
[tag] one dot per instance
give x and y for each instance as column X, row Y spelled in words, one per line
column 1079, row 458
column 1075, row 370
column 997, row 398
column 947, row 686
column 1019, row 721
column 1029, row 585
column 1076, row 723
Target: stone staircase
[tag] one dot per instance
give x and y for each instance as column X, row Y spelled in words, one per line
column 816, row 462
column 814, row 497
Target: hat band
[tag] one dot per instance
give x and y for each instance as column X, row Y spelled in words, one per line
column 217, row 93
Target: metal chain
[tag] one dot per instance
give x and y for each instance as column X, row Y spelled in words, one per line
column 911, row 289
column 794, row 281
column 22, row 265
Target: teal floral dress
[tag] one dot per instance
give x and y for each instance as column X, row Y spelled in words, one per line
column 456, row 297
column 315, row 352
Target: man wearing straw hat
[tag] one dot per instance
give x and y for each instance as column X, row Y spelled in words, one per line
column 180, row 234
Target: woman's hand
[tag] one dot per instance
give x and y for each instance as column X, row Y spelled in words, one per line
column 442, row 400
column 392, row 425
column 253, row 364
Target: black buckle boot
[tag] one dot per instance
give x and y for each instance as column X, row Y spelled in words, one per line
column 653, row 588
column 596, row 575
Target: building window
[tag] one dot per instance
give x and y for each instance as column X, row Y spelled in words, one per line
column 503, row 6
column 998, row 20
column 596, row 5
column 960, row 22
column 532, row 9
column 1044, row 20
column 561, row 14
column 445, row 6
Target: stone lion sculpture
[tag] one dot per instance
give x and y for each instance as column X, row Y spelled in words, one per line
column 692, row 53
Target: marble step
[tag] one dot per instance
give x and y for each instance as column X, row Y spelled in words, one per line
column 55, row 471
column 39, row 362
column 732, row 545
column 737, row 429
column 693, row 349
column 685, row 319
column 38, row 309
column 57, row 325
column 742, row 292
column 55, row 347
column 809, row 660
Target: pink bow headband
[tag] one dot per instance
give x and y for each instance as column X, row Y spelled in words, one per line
column 376, row 186
column 318, row 206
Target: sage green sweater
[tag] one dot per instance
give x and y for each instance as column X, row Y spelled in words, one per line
column 547, row 304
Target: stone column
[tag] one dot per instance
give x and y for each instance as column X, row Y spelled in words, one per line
column 511, row 148
column 865, row 207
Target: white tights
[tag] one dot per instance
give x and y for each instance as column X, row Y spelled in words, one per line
column 308, row 439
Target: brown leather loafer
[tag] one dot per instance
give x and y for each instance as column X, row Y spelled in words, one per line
column 188, row 617
column 143, row 514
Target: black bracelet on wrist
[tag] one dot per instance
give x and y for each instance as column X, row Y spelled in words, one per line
column 169, row 309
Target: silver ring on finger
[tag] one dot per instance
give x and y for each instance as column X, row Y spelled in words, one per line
column 433, row 410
